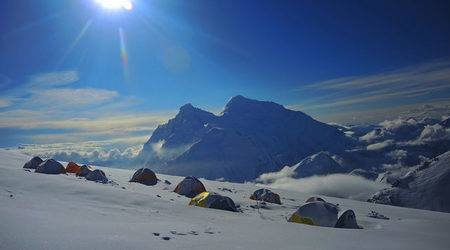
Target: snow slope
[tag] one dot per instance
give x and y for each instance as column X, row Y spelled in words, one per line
column 425, row 187
column 41, row 211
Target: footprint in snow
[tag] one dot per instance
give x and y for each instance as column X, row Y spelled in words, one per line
column 165, row 238
column 176, row 233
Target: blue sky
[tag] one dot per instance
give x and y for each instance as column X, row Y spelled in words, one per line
column 73, row 72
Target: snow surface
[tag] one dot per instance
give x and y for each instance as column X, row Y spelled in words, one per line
column 425, row 187
column 41, row 211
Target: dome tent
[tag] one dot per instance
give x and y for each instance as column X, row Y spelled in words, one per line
column 266, row 195
column 72, row 167
column 84, row 171
column 347, row 220
column 97, row 176
column 190, row 187
column 50, row 166
column 314, row 198
column 33, row 163
column 316, row 213
column 145, row 176
column 213, row 200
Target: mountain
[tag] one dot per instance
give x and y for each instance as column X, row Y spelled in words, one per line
column 425, row 187
column 318, row 164
column 247, row 139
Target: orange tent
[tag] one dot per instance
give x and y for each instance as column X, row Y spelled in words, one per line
column 72, row 167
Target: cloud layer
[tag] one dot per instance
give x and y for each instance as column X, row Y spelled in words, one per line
column 335, row 185
column 370, row 97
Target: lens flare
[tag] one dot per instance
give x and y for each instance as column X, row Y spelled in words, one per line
column 123, row 52
column 116, row 4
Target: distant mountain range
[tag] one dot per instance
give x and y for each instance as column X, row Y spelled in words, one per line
column 247, row 139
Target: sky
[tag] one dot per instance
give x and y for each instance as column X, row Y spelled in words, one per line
column 74, row 74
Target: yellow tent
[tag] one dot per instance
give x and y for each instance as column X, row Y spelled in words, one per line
column 316, row 213
column 299, row 219
column 213, row 200
column 199, row 200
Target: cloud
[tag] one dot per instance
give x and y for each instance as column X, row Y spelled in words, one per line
column 4, row 103
column 398, row 155
column 68, row 97
column 124, row 123
column 432, row 133
column 380, row 145
column 432, row 108
column 53, row 79
column 356, row 97
column 117, row 152
column 411, row 76
column 285, row 172
column 335, row 185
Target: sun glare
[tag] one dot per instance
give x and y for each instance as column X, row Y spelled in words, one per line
column 116, row 4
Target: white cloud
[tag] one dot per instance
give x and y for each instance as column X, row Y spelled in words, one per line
column 52, row 79
column 380, row 145
column 398, row 155
column 285, row 172
column 433, row 133
column 117, row 152
column 410, row 76
column 4, row 103
column 68, row 97
column 336, row 185
column 354, row 98
column 397, row 123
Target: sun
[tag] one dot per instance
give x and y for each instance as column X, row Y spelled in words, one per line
column 116, row 4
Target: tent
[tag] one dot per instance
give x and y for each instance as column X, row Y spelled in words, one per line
column 145, row 176
column 313, row 199
column 72, row 167
column 266, row 195
column 347, row 220
column 84, row 171
column 50, row 166
column 213, row 200
column 33, row 163
column 97, row 176
column 316, row 213
column 190, row 187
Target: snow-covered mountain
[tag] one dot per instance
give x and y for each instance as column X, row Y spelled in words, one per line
column 63, row 212
column 247, row 139
column 321, row 163
column 424, row 187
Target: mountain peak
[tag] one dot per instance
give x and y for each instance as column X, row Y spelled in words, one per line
column 241, row 103
column 187, row 106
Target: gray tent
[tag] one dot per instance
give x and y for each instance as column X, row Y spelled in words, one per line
column 347, row 220
column 145, row 176
column 50, row 166
column 33, row 163
column 84, row 171
column 317, row 213
column 213, row 200
column 190, row 187
column 266, row 195
column 97, row 176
